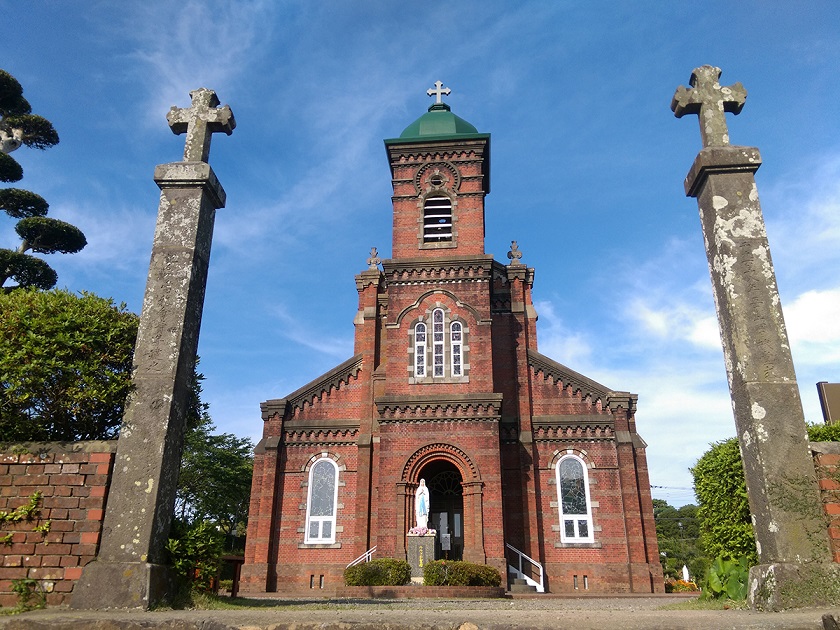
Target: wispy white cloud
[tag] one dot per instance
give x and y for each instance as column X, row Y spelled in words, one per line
column 298, row 331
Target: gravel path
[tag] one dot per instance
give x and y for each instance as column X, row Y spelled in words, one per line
column 574, row 613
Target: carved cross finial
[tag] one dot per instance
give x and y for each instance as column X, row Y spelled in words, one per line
column 514, row 254
column 199, row 121
column 374, row 260
column 438, row 91
column 709, row 101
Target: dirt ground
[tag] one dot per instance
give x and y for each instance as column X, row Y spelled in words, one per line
column 540, row 613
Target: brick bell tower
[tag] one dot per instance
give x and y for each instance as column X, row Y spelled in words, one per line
column 436, row 405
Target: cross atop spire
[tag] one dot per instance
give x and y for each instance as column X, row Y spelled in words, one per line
column 438, row 91
column 199, row 122
column 709, row 101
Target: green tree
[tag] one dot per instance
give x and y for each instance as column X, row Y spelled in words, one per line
column 214, row 483
column 65, row 365
column 725, row 524
column 39, row 234
column 678, row 535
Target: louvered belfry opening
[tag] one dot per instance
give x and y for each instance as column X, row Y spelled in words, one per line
column 437, row 220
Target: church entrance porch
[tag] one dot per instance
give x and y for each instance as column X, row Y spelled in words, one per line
column 447, row 508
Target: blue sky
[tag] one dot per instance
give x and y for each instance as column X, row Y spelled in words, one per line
column 588, row 165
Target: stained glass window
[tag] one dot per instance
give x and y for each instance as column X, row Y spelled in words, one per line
column 575, row 508
column 420, row 349
column 455, row 344
column 320, row 507
column 437, row 339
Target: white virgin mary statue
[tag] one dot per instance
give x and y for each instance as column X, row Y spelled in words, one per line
column 422, row 505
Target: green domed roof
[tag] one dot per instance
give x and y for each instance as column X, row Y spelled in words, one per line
column 438, row 121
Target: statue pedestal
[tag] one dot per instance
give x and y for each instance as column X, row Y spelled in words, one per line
column 420, row 550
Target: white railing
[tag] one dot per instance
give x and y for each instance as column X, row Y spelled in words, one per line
column 540, row 585
column 367, row 556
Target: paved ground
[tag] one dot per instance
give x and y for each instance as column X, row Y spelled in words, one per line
column 631, row 613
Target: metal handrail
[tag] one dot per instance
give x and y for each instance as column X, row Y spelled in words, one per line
column 541, row 584
column 365, row 557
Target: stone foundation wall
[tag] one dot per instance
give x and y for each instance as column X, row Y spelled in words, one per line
column 827, row 464
column 73, row 480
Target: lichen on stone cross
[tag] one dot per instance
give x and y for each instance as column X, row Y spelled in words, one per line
column 709, row 101
column 514, row 254
column 374, row 260
column 199, row 121
column 438, row 91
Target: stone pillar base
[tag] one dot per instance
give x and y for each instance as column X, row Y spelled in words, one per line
column 421, row 551
column 122, row 585
column 774, row 587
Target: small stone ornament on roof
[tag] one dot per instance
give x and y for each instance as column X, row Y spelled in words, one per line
column 514, row 254
column 438, row 91
column 709, row 101
column 374, row 260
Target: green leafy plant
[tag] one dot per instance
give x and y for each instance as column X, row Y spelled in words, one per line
column 25, row 512
column 196, row 555
column 456, row 573
column 379, row 572
column 30, row 595
column 727, row 578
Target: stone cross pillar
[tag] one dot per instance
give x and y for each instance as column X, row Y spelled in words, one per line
column 787, row 513
column 130, row 569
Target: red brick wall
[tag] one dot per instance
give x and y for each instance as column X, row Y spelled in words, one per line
column 73, row 479
column 827, row 464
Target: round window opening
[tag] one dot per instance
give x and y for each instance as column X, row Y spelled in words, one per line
column 436, row 180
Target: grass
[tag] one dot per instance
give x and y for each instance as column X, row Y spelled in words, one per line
column 706, row 604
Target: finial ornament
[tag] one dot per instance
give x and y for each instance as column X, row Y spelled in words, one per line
column 374, row 260
column 709, row 101
column 200, row 121
column 438, row 91
column 514, row 254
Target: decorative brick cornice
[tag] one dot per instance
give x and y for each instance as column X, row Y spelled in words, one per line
column 324, row 383
column 412, row 270
column 562, row 374
column 622, row 400
column 369, row 277
column 433, row 408
column 333, row 432
column 273, row 407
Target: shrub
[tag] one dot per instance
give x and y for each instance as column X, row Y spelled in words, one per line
column 725, row 523
column 824, row 432
column 379, row 572
column 196, row 555
column 453, row 573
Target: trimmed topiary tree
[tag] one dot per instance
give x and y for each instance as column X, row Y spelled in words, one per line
column 38, row 234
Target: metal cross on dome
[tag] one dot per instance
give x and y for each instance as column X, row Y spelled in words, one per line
column 438, row 91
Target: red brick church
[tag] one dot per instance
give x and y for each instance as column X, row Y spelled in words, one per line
column 531, row 467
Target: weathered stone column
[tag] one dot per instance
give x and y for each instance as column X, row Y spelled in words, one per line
column 129, row 571
column 787, row 514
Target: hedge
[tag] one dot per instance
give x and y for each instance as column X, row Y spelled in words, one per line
column 453, row 573
column 379, row 572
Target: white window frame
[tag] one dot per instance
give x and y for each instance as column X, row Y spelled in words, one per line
column 319, row 539
column 437, row 218
column 438, row 344
column 456, row 349
column 575, row 519
column 421, row 366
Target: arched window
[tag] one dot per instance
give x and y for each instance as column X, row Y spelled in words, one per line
column 573, row 499
column 437, row 342
column 321, row 502
column 437, row 220
column 456, row 346
column 420, row 349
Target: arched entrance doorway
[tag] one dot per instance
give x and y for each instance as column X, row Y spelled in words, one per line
column 447, row 502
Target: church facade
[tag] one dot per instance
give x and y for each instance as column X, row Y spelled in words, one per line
column 531, row 467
